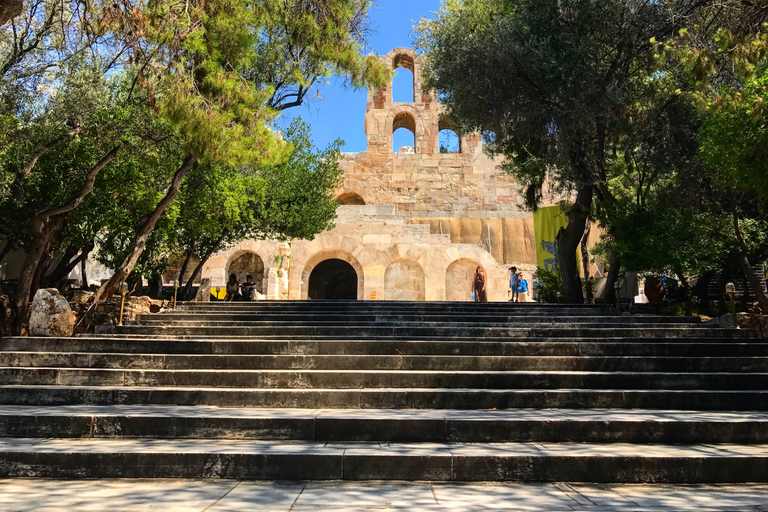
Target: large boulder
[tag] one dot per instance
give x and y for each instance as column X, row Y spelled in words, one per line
column 50, row 314
column 204, row 290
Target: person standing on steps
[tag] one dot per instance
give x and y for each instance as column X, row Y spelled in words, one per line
column 522, row 288
column 232, row 287
column 513, row 284
column 478, row 285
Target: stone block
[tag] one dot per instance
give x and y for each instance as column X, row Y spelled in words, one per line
column 204, row 291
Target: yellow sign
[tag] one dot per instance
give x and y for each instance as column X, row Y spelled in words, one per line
column 219, row 293
column 546, row 223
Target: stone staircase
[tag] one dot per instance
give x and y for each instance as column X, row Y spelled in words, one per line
column 377, row 390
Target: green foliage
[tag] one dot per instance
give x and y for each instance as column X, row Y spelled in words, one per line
column 549, row 286
column 299, row 201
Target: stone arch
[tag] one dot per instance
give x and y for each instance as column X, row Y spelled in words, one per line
column 448, row 139
column 350, row 198
column 404, row 61
column 404, row 279
column 330, row 254
column 333, row 279
column 406, row 116
column 458, row 279
column 245, row 262
column 403, row 121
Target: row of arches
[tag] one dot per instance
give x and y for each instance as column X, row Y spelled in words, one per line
column 342, row 279
column 404, row 138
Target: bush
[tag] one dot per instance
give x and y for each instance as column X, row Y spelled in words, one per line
column 548, row 285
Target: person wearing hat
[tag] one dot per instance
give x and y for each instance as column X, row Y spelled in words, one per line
column 522, row 288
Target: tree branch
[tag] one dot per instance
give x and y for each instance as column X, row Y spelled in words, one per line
column 90, row 180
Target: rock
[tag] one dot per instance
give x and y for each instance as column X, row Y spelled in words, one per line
column 81, row 296
column 204, row 290
column 50, row 314
column 7, row 315
column 108, row 313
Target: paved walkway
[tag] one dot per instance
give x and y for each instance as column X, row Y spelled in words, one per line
column 227, row 495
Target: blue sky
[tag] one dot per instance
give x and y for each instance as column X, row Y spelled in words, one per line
column 339, row 113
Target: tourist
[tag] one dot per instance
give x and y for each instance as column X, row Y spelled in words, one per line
column 248, row 288
column 478, row 286
column 232, row 287
column 522, row 288
column 513, row 284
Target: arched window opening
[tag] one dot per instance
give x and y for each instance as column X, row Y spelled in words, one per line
column 404, row 133
column 351, row 199
column 403, row 81
column 333, row 279
column 448, row 141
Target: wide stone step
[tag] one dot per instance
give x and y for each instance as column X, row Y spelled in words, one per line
column 520, row 425
column 275, row 460
column 340, row 305
column 393, row 398
column 366, row 379
column 699, row 347
column 383, row 362
column 426, row 320
column 429, row 332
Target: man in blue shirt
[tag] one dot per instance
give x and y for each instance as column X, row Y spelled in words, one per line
column 522, row 288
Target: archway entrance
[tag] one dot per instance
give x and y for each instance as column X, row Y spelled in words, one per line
column 245, row 264
column 333, row 279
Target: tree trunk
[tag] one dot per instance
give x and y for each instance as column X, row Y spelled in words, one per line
column 585, row 251
column 7, row 249
column 568, row 240
column 185, row 264
column 609, row 296
column 64, row 267
column 746, row 268
column 83, row 276
column 143, row 228
column 42, row 269
column 36, row 252
column 186, row 293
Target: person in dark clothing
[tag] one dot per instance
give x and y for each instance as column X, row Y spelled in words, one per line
column 478, row 285
column 248, row 288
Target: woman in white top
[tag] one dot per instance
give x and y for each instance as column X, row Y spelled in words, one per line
column 232, row 287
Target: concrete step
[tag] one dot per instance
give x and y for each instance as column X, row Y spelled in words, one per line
column 383, row 379
column 429, row 332
column 389, row 398
column 276, row 460
column 349, row 425
column 669, row 347
column 161, row 361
